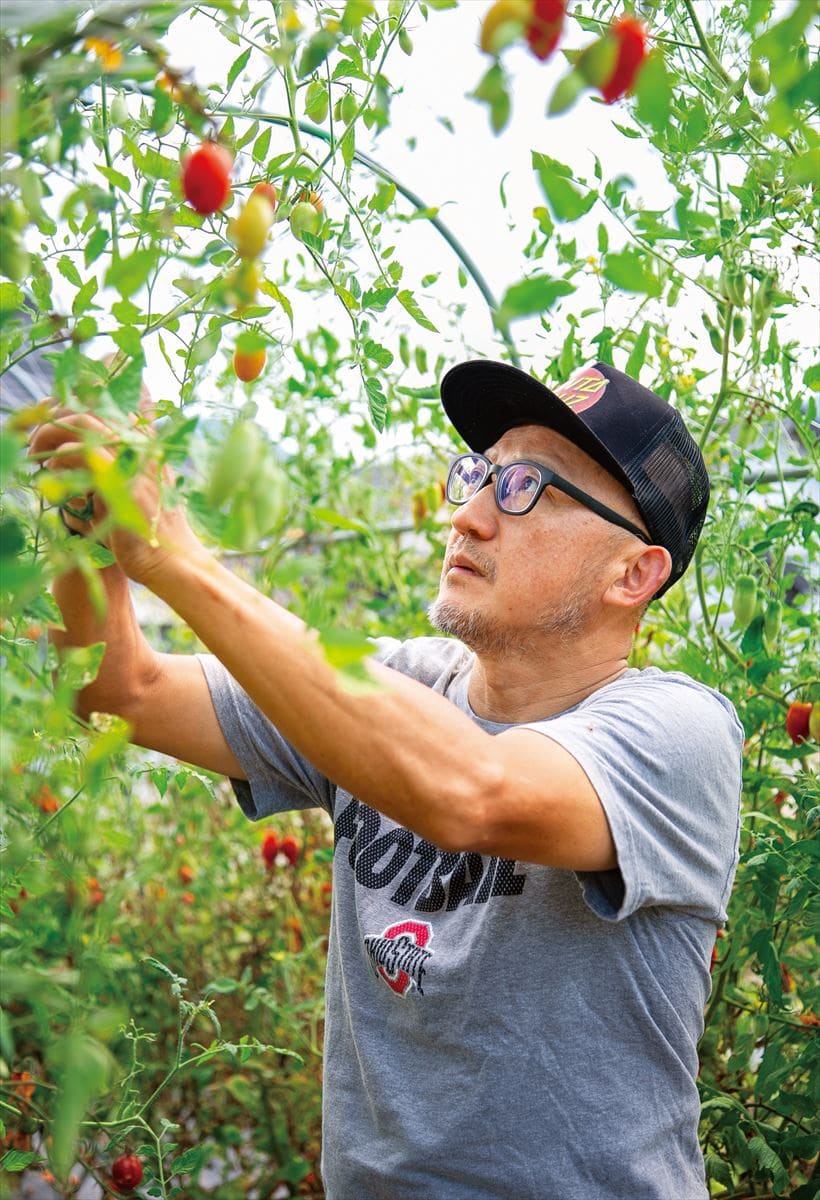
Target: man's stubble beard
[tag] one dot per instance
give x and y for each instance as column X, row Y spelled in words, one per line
column 488, row 636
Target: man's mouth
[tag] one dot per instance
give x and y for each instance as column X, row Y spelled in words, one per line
column 463, row 565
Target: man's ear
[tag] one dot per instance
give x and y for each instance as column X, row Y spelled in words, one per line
column 641, row 576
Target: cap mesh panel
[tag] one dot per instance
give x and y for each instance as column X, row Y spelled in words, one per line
column 672, row 492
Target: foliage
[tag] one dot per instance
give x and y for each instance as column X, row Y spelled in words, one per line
column 154, row 1011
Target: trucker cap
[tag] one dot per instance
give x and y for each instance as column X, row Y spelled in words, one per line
column 630, row 431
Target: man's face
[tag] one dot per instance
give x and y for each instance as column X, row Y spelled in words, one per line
column 508, row 582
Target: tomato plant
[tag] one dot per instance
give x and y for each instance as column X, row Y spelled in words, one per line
column 162, row 959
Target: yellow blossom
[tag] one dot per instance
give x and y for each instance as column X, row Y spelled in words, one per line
column 109, row 55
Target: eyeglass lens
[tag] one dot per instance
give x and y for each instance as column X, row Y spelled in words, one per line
column 517, row 483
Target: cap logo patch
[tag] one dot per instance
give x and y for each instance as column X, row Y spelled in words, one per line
column 583, row 389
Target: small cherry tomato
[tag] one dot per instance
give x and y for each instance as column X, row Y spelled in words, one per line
column 126, row 1173
column 206, row 178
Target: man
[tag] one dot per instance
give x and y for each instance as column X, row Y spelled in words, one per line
column 534, row 843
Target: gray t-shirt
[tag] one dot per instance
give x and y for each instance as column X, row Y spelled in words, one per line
column 498, row 1029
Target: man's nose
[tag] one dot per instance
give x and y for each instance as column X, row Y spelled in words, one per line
column 478, row 515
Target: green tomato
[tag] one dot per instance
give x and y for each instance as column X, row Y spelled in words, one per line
column 771, row 620
column 759, row 80
column 235, row 462
column 305, row 219
column 348, row 106
column 270, row 497
column 744, row 600
column 118, row 112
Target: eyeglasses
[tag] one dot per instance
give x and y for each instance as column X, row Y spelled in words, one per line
column 519, row 486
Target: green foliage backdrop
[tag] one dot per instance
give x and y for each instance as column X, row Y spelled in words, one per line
column 162, row 983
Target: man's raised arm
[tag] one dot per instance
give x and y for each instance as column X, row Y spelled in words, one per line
column 164, row 697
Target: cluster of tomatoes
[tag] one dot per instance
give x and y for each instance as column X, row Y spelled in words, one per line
column 272, row 846
column 206, row 185
column 611, row 63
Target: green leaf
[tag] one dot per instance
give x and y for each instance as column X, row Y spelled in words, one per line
column 347, row 650
column 129, row 274
column 316, row 51
column 17, row 1160
column 532, row 296
column 80, row 665
column 11, row 297
column 630, row 271
column 205, row 347
column 377, row 402
column 84, row 297
column 116, row 177
column 409, row 302
column 95, row 245
column 128, row 339
column 565, row 200
column 355, row 13
column 638, row 354
column 262, row 145
column 654, row 93
column 492, row 90
column 338, row 520
column 378, row 353
column 566, row 93
column 348, row 146
column 124, row 388
column 270, row 289
column 768, row 1161
column 383, row 197
column 67, row 269
column 238, row 66
column 378, row 299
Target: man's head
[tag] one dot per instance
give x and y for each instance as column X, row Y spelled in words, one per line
column 630, row 493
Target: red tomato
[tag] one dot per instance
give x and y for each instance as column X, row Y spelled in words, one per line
column 206, row 177
column 270, row 848
column 797, row 721
column 126, row 1173
column 290, row 848
column 545, row 28
column 630, row 35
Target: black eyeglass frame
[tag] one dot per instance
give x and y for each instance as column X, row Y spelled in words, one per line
column 547, row 478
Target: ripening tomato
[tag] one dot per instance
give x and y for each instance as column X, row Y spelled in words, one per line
column 503, row 22
column 797, row 721
column 249, row 364
column 630, row 37
column 545, row 27
column 313, row 198
column 268, row 191
column 186, row 873
column 126, row 1173
column 206, row 178
column 305, row 219
column 249, row 232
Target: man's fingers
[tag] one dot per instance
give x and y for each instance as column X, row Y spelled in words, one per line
column 64, row 427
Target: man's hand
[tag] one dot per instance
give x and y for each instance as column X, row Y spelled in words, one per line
column 81, row 442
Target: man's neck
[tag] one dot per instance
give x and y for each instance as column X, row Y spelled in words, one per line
column 538, row 686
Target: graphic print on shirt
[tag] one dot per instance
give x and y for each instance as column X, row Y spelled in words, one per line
column 399, row 954
column 426, row 878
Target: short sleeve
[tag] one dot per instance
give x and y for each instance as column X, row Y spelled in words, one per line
column 664, row 756
column 279, row 778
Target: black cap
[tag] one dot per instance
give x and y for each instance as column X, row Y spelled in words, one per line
column 631, row 432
